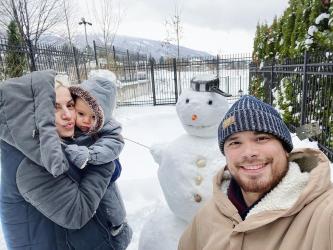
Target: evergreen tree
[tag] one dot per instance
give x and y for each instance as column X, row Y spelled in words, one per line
column 288, row 24
column 273, row 38
column 323, row 39
column 255, row 54
column 300, row 29
column 279, row 39
column 15, row 59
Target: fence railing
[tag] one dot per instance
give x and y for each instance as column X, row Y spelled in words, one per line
column 142, row 79
column 163, row 81
column 302, row 88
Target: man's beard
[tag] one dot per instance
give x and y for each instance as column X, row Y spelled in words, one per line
column 255, row 185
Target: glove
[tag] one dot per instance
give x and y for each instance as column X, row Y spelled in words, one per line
column 77, row 155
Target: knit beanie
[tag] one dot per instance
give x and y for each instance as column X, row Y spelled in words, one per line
column 251, row 114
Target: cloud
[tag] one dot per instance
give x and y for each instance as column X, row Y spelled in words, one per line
column 213, row 26
column 213, row 14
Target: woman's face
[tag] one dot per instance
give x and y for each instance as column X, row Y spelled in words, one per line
column 64, row 113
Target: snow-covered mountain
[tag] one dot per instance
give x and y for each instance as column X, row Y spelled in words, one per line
column 134, row 44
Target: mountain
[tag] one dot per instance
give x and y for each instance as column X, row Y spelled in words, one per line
column 134, row 44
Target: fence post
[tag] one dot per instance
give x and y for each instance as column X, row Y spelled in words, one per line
column 76, row 64
column 175, row 77
column 218, row 66
column 304, row 89
column 95, row 53
column 270, row 85
column 129, row 65
column 152, row 80
column 114, row 53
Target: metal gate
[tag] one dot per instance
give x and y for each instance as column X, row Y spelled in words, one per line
column 159, row 83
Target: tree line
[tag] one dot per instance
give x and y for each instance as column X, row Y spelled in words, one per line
column 305, row 25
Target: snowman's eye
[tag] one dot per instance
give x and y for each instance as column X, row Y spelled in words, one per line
column 187, row 100
column 210, row 102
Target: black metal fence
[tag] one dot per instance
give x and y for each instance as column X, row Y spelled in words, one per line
column 158, row 83
column 142, row 79
column 67, row 59
column 302, row 89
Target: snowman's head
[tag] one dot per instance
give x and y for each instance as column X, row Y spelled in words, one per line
column 201, row 112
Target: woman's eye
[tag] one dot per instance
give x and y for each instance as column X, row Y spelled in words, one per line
column 210, row 102
column 70, row 106
column 187, row 100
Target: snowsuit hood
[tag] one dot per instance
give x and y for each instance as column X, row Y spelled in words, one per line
column 30, row 100
column 100, row 95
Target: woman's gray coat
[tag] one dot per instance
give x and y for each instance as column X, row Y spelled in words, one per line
column 31, row 156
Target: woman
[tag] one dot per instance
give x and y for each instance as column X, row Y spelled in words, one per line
column 61, row 215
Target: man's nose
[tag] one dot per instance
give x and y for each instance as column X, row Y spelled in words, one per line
column 249, row 150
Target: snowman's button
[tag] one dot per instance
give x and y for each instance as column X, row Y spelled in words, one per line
column 198, row 179
column 197, row 198
column 201, row 163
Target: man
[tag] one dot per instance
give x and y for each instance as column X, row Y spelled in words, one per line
column 267, row 197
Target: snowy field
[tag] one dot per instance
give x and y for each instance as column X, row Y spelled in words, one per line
column 138, row 182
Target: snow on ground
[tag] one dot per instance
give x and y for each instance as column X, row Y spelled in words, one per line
column 138, row 182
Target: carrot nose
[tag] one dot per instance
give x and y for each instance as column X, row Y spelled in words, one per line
column 194, row 117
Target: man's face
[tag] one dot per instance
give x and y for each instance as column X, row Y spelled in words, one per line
column 256, row 160
column 85, row 117
column 65, row 113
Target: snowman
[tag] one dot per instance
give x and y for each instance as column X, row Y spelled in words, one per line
column 187, row 164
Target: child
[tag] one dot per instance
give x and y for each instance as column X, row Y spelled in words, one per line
column 94, row 103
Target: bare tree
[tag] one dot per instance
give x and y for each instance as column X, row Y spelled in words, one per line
column 108, row 15
column 70, row 19
column 174, row 27
column 33, row 17
column 174, row 31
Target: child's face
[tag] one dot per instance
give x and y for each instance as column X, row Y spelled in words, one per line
column 85, row 117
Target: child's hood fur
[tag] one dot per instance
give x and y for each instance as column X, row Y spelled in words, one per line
column 100, row 95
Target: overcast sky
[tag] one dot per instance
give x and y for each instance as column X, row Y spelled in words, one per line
column 215, row 26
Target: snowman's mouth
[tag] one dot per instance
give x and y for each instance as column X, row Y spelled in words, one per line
column 201, row 126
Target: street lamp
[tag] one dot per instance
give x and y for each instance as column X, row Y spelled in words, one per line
column 84, row 22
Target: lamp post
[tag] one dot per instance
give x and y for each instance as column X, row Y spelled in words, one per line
column 84, row 22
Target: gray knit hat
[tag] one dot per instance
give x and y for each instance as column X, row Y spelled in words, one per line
column 251, row 114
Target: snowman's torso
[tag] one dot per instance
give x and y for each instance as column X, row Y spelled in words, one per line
column 185, row 173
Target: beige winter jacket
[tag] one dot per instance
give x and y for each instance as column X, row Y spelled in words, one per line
column 296, row 214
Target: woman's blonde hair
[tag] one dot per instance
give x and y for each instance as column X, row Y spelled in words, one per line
column 61, row 80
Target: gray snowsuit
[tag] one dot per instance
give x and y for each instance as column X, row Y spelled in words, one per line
column 100, row 95
column 43, row 205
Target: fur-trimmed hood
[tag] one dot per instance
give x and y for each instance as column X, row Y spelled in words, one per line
column 100, row 95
